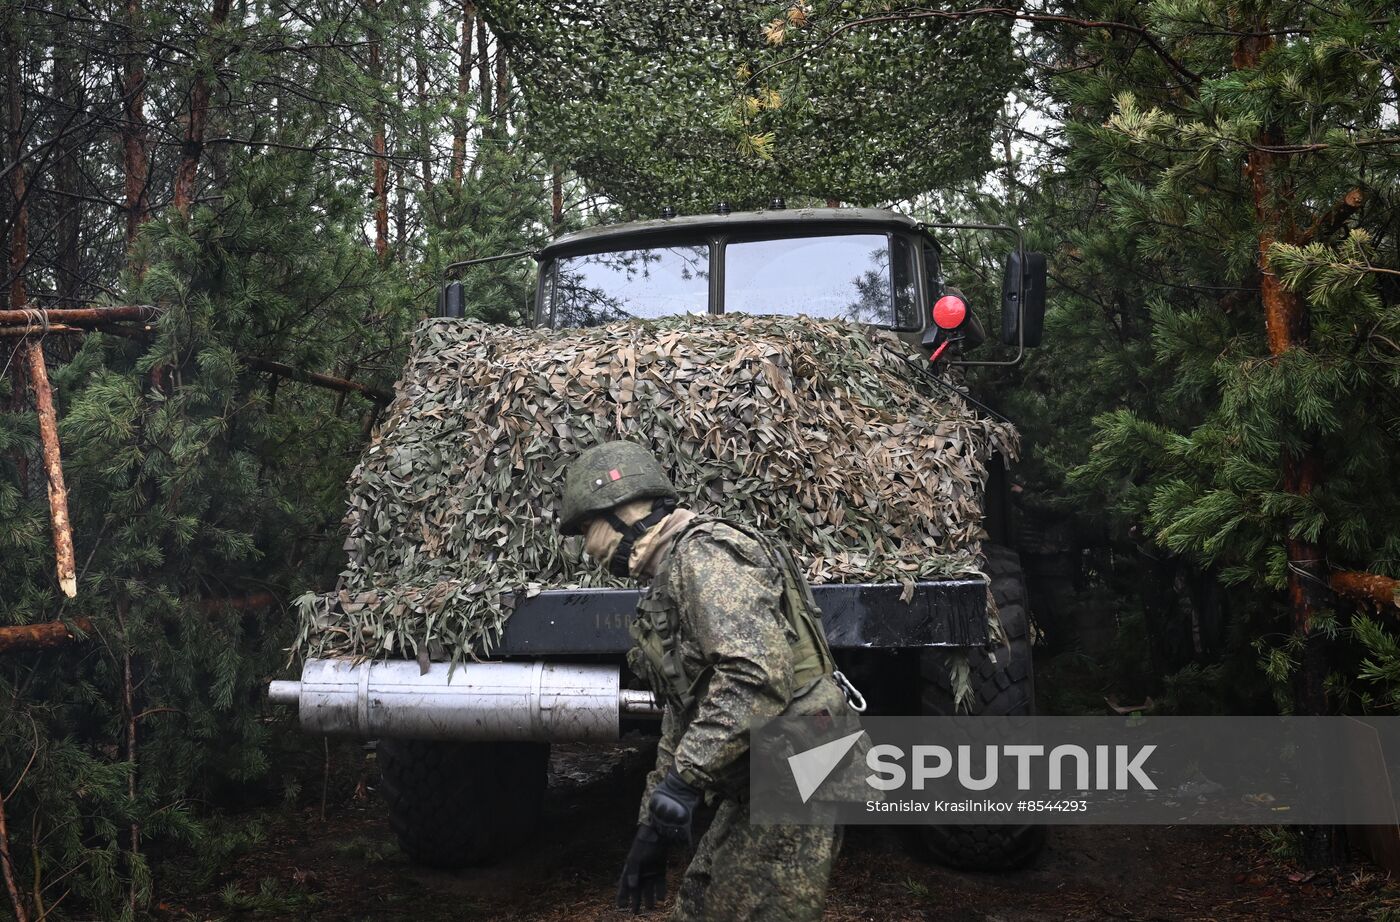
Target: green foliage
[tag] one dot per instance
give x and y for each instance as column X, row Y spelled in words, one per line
column 1176, row 420
column 197, row 479
column 193, row 479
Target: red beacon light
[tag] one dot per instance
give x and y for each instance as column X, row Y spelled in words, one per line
column 949, row 312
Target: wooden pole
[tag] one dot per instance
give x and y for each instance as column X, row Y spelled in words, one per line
column 24, row 638
column 33, row 350
column 1367, row 587
column 53, row 467
column 34, row 317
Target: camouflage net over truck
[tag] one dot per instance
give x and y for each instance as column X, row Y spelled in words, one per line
column 824, row 433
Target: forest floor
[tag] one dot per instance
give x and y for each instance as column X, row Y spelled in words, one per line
column 347, row 867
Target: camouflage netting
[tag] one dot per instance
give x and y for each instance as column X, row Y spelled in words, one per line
column 822, row 433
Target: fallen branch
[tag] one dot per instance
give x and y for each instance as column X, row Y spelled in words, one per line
column 53, row 468
column 312, row 377
column 280, row 369
column 240, row 603
column 23, row 638
column 1330, row 221
column 7, row 865
column 1383, row 591
column 34, row 317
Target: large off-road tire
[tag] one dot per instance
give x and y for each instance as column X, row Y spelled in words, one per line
column 1001, row 688
column 458, row 804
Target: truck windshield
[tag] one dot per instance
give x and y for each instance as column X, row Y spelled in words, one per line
column 865, row 278
column 844, row 277
column 656, row 282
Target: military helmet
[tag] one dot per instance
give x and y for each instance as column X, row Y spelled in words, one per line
column 609, row 475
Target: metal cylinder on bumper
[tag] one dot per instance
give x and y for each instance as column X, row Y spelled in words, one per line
column 539, row 701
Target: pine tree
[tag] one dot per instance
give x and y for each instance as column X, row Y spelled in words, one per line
column 1237, row 237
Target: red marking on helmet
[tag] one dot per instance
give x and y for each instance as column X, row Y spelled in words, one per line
column 949, row 312
column 614, row 474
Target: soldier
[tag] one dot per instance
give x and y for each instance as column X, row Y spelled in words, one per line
column 726, row 634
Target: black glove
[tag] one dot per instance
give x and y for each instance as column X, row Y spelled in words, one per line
column 644, row 873
column 672, row 808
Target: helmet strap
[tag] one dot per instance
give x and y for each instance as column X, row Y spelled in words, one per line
column 620, row 562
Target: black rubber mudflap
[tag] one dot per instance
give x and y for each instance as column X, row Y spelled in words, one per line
column 458, row 804
column 1001, row 688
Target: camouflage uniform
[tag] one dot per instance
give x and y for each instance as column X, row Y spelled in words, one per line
column 720, row 594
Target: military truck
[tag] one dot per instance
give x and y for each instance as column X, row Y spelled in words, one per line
column 464, row 752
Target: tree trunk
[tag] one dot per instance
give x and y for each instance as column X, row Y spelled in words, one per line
column 1286, row 328
column 377, row 144
column 483, row 66
column 400, row 191
column 193, row 146
column 425, row 133
column 9, row 42
column 14, row 146
column 68, row 91
column 556, row 212
column 462, row 110
column 135, row 166
column 502, row 89
column 129, row 705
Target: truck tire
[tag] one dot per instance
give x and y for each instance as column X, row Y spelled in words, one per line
column 453, row 804
column 1004, row 688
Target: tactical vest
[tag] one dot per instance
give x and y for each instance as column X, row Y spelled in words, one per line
column 654, row 628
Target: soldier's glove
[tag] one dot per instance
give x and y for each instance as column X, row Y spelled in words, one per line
column 644, row 873
column 672, row 808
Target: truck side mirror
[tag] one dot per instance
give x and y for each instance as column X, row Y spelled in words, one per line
column 450, row 300
column 1023, row 304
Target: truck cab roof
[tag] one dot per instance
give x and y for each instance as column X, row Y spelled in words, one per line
column 778, row 222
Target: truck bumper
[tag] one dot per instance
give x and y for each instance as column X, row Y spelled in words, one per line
column 557, row 701
column 857, row 616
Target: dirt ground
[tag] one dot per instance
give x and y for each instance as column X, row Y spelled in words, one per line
column 347, row 867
